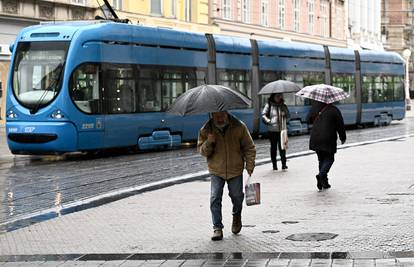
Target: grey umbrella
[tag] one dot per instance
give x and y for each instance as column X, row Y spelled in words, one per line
column 279, row 86
column 208, row 98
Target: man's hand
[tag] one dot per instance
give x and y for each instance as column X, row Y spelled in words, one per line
column 342, row 141
column 211, row 138
column 250, row 172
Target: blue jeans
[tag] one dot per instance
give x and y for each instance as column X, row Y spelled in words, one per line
column 326, row 160
column 235, row 186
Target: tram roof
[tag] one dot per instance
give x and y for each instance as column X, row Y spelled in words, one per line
column 380, row 56
column 291, row 49
column 115, row 32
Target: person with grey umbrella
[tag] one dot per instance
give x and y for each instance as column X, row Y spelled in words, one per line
column 228, row 147
column 275, row 114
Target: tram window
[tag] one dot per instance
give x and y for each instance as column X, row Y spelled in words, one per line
column 388, row 88
column 172, row 87
column 382, row 90
column 238, row 80
column 367, row 89
column 85, row 88
column 119, row 86
column 347, row 83
column 201, row 77
column 149, row 88
column 398, row 88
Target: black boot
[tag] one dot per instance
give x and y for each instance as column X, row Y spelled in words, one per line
column 325, row 183
column 275, row 166
column 319, row 183
column 284, row 166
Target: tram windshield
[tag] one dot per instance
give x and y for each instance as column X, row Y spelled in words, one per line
column 38, row 72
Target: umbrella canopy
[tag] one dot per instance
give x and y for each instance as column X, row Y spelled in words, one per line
column 208, row 98
column 323, row 93
column 279, row 86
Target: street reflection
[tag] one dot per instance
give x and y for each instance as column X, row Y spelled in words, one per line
column 10, row 203
column 32, row 184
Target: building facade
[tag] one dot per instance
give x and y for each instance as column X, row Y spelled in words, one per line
column 190, row 15
column 18, row 14
column 312, row 21
column 364, row 24
column 398, row 31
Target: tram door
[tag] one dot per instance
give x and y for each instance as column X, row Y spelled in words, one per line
column 86, row 94
column 118, row 86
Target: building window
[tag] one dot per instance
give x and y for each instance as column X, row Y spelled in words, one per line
column 172, row 7
column 311, row 15
column 187, row 10
column 246, row 11
column 324, row 18
column 264, row 12
column 339, row 22
column 296, row 15
column 79, row 2
column 227, row 9
column 282, row 14
column 117, row 4
column 156, row 7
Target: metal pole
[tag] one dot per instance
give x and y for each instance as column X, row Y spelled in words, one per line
column 406, row 56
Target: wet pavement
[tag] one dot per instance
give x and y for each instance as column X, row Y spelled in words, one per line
column 32, row 184
column 365, row 219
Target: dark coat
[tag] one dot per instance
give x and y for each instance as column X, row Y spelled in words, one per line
column 325, row 127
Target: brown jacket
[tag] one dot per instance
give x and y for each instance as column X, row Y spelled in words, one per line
column 233, row 148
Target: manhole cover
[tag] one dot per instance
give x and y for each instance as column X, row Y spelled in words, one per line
column 270, row 231
column 311, row 236
column 289, row 222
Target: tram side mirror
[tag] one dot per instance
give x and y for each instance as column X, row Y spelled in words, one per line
column 11, row 47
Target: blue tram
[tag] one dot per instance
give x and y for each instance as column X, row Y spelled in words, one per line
column 82, row 86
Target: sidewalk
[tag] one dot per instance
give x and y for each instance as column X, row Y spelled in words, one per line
column 369, row 208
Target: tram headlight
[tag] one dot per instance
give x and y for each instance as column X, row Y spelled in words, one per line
column 57, row 115
column 11, row 114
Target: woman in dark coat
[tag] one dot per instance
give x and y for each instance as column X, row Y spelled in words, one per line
column 275, row 114
column 327, row 125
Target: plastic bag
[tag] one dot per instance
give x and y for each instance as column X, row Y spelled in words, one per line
column 283, row 139
column 252, row 193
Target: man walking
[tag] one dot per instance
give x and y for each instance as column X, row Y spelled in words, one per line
column 226, row 143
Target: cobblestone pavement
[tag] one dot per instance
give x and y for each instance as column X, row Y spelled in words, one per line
column 34, row 184
column 369, row 208
column 216, row 259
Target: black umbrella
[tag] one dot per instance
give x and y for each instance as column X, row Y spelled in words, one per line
column 279, row 86
column 208, row 98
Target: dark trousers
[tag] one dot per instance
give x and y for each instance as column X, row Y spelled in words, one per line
column 274, row 138
column 326, row 159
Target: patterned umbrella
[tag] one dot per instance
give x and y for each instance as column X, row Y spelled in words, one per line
column 323, row 93
column 279, row 86
column 208, row 98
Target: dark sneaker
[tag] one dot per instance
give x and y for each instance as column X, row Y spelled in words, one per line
column 217, row 235
column 274, row 167
column 284, row 167
column 319, row 183
column 237, row 224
